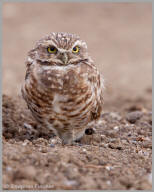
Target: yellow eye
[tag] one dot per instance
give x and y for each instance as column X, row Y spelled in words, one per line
column 75, row 49
column 52, row 49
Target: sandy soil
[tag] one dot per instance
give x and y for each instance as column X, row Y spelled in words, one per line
column 118, row 155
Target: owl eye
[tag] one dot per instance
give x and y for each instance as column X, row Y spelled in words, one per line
column 75, row 49
column 52, row 49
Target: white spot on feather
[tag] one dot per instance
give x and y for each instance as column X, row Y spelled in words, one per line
column 30, row 59
column 80, row 43
column 56, row 104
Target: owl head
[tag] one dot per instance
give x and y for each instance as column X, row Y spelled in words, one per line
column 60, row 49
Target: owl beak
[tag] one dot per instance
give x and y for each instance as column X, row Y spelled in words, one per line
column 64, row 58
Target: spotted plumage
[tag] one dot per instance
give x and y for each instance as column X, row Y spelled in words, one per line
column 63, row 88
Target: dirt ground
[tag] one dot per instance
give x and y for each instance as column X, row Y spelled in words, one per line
column 118, row 155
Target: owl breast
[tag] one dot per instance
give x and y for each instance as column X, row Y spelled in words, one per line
column 63, row 98
column 72, row 92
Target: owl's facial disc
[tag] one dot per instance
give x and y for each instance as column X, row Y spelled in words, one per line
column 65, row 55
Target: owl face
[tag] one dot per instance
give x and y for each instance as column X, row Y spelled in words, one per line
column 61, row 49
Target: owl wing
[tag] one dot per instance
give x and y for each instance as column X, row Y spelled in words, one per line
column 97, row 109
column 98, row 85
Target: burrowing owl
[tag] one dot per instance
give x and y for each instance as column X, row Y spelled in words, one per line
column 63, row 88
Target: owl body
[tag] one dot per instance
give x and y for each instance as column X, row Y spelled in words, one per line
column 63, row 89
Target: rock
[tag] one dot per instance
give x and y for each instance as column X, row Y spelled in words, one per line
column 28, row 172
column 71, row 172
column 132, row 117
column 147, row 144
column 115, row 146
column 95, row 161
column 52, row 145
column 115, row 116
column 71, row 183
column 43, row 149
column 126, row 182
column 102, row 161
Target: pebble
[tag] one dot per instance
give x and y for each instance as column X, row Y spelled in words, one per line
column 8, row 168
column 105, row 145
column 109, row 168
column 134, row 142
column 103, row 138
column 70, row 183
column 147, row 144
column 84, row 150
column 27, row 151
column 115, row 146
column 28, row 172
column 71, row 173
column 115, row 116
column 12, row 141
column 108, row 182
column 126, row 182
column 132, row 117
column 113, row 140
column 150, row 178
column 41, row 141
column 111, row 133
column 95, row 161
column 89, row 157
column 52, row 145
column 43, row 149
column 25, row 143
column 97, row 138
column 102, row 162
column 116, row 128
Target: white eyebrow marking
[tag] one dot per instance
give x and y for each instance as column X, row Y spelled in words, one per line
column 78, row 42
column 30, row 59
column 51, row 43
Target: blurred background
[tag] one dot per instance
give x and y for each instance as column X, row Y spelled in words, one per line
column 118, row 35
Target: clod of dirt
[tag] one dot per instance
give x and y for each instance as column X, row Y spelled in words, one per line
column 132, row 117
column 115, row 146
column 28, row 172
column 115, row 116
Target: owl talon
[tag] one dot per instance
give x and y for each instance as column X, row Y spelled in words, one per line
column 89, row 131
